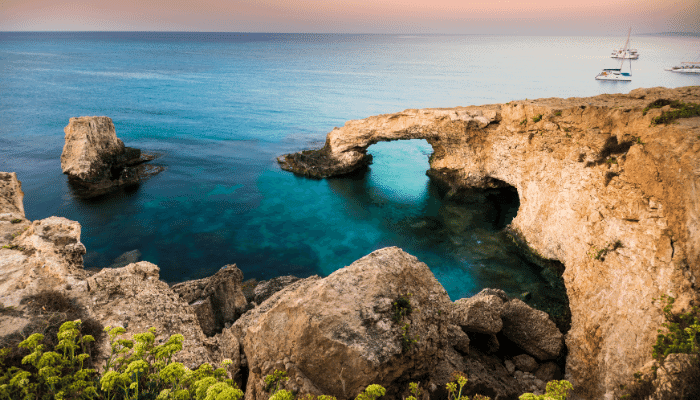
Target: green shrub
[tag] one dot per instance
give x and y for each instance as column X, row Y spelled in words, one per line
column 537, row 118
column 51, row 373
column 556, row 390
column 682, row 331
column 402, row 307
column 372, row 392
column 678, row 110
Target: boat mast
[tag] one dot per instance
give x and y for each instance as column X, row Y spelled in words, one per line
column 624, row 51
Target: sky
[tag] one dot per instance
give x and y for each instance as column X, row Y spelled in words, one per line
column 529, row 17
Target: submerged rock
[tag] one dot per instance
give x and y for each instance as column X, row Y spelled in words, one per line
column 97, row 162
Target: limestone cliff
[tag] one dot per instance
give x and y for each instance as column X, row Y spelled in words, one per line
column 612, row 196
column 97, row 162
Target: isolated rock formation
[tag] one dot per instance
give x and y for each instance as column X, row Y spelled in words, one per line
column 602, row 190
column 97, row 162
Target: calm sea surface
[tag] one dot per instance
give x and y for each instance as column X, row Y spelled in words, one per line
column 220, row 108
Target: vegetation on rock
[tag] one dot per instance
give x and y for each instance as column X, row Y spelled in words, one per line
column 679, row 110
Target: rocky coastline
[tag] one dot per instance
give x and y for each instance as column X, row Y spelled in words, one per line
column 605, row 194
column 604, row 190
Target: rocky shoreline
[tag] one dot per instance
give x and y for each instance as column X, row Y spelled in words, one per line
column 332, row 335
column 604, row 191
column 605, row 194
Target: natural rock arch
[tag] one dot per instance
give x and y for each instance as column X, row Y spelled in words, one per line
column 589, row 172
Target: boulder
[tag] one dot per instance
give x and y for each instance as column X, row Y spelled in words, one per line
column 480, row 313
column 532, row 330
column 548, row 371
column 525, row 363
column 96, row 161
column 339, row 334
column 217, row 300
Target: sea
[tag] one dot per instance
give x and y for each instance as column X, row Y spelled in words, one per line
column 219, row 108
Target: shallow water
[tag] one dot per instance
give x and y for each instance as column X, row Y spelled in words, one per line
column 220, row 108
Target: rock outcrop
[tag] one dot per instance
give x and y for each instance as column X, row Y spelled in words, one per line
column 337, row 335
column 602, row 189
column 97, row 162
column 217, row 300
column 12, row 219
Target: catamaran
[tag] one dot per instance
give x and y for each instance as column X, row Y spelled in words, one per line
column 614, row 74
column 625, row 52
column 686, row 67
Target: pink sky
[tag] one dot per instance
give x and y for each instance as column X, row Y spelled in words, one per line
column 558, row 17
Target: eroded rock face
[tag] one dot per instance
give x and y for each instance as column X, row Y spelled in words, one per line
column 12, row 218
column 217, row 300
column 602, row 190
column 135, row 298
column 97, row 162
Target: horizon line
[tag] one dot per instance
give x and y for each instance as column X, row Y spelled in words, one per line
column 690, row 33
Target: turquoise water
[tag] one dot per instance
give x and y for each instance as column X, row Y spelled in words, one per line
column 220, row 108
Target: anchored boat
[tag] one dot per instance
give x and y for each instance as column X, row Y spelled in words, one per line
column 625, row 52
column 686, row 67
column 614, row 74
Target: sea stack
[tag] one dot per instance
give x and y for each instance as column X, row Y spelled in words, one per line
column 97, row 162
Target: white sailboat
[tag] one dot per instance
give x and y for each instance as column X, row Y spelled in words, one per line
column 616, row 74
column 625, row 52
column 686, row 67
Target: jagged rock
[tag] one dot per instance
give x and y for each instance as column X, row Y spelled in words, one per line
column 12, row 220
column 265, row 289
column 588, row 171
column 532, row 330
column 338, row 334
column 97, row 162
column 479, row 313
column 525, row 363
column 47, row 255
column 135, row 298
column 488, row 377
column 217, row 300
